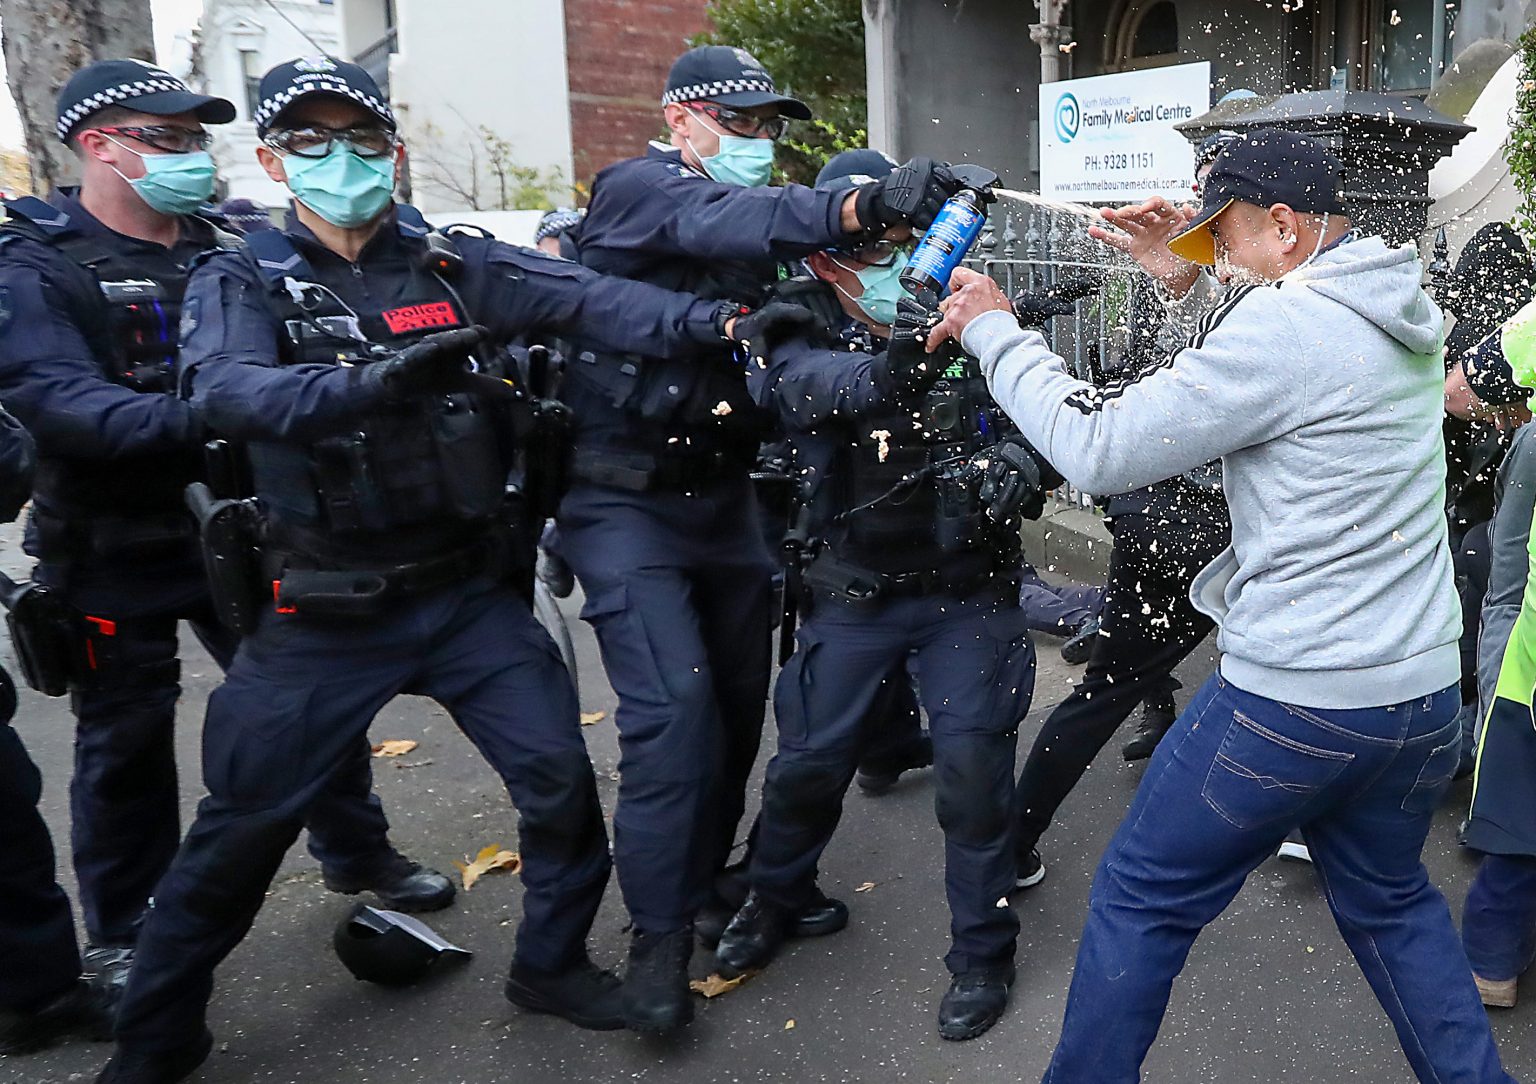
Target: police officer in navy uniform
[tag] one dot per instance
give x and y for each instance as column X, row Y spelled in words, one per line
column 914, row 493
column 346, row 356
column 660, row 525
column 42, row 994
column 91, row 282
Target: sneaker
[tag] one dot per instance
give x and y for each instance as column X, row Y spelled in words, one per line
column 584, row 994
column 1031, row 871
column 1080, row 644
column 878, row 777
column 1155, row 722
column 655, row 996
column 400, row 885
column 1496, row 993
column 106, row 971
column 1292, row 851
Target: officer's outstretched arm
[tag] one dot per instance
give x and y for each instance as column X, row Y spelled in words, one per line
column 658, row 208
column 804, row 384
column 229, row 368
column 525, row 291
column 54, row 386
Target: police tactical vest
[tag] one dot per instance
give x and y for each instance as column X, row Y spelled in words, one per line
column 436, row 464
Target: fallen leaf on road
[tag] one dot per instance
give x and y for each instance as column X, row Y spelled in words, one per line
column 867, row 886
column 590, row 717
column 490, row 860
column 396, row 747
column 714, row 986
column 789, row 1025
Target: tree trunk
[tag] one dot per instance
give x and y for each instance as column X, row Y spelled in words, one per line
column 47, row 41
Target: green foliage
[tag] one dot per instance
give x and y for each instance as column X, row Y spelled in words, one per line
column 1520, row 149
column 815, row 52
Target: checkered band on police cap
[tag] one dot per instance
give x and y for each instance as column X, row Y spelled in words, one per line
column 134, row 84
column 287, row 83
column 701, row 92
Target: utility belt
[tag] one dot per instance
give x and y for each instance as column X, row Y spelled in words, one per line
column 246, row 575
column 643, row 472
column 62, row 540
column 829, row 579
column 301, row 586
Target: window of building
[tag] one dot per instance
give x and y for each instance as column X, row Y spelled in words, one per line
column 1413, row 43
column 251, row 69
column 1156, row 31
column 1143, row 34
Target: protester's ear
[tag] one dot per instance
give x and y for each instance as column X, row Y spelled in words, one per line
column 1286, row 223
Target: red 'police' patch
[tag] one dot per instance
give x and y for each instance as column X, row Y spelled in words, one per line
column 421, row 317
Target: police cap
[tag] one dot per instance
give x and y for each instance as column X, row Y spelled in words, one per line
column 728, row 76
column 136, row 85
column 287, row 83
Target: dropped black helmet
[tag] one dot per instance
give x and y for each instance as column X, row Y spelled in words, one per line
column 389, row 948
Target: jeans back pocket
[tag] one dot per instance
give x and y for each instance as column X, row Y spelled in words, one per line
column 1261, row 778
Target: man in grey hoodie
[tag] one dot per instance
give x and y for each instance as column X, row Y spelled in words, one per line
column 1318, row 383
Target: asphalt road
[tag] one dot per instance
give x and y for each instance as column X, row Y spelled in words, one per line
column 1271, row 993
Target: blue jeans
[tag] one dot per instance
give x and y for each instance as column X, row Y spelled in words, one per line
column 1237, row 773
column 1498, row 924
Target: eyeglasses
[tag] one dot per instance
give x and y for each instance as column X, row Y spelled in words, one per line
column 164, row 137
column 743, row 124
column 367, row 141
column 877, row 253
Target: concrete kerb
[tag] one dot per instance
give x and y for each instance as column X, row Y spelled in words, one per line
column 1068, row 542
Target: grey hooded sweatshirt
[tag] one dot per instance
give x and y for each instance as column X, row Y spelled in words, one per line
column 1322, row 396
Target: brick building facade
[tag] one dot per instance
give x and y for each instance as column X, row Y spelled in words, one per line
column 617, row 56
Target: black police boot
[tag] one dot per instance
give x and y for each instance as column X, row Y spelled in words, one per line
column 753, row 938
column 974, row 1002
column 655, row 997
column 107, row 968
column 78, row 1011
column 1156, row 720
column 166, row 1067
column 878, row 775
column 400, row 885
column 1080, row 644
column 821, row 915
column 584, row 994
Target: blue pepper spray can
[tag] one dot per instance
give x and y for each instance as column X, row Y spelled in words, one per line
column 949, row 239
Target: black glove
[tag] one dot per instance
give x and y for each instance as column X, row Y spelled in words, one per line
column 911, row 195
column 1011, row 481
column 906, row 370
column 759, row 329
column 1034, row 309
column 436, row 365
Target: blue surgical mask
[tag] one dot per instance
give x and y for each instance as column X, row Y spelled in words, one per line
column 882, row 289
column 173, row 184
column 740, row 160
column 342, row 187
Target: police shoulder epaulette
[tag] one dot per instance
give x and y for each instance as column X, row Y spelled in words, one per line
column 276, row 259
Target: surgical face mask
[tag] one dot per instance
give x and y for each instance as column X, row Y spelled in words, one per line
column 173, row 184
column 740, row 160
column 882, row 289
column 343, row 187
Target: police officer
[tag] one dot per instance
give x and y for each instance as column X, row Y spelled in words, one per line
column 339, row 352
column 660, row 524
column 91, row 283
column 914, row 511
column 42, row 996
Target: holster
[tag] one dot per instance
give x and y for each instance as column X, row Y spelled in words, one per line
column 47, row 633
column 231, row 534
